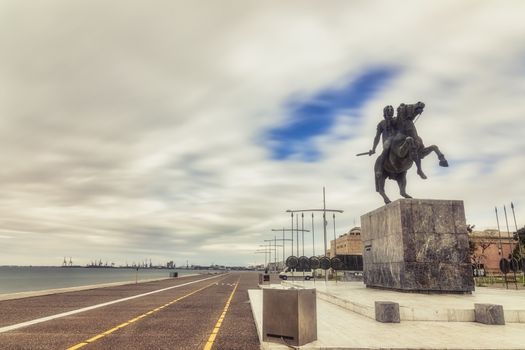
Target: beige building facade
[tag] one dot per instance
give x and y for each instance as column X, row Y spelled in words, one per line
column 490, row 247
column 348, row 243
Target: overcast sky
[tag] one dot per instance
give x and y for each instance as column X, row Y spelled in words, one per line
column 183, row 130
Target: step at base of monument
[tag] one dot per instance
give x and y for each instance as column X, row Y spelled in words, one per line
column 361, row 300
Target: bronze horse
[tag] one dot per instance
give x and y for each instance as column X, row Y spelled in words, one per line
column 406, row 148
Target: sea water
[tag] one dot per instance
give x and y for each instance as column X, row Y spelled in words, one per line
column 15, row 279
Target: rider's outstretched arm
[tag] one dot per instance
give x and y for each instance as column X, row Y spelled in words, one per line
column 377, row 138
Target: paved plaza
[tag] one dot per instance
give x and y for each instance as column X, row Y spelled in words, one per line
column 345, row 319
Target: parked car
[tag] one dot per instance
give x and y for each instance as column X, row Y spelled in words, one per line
column 296, row 273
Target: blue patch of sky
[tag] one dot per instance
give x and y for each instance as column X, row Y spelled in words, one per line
column 316, row 115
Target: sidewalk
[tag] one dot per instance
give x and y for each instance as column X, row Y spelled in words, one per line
column 339, row 328
column 354, row 296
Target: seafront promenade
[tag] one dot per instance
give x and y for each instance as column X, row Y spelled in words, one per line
column 195, row 312
column 225, row 312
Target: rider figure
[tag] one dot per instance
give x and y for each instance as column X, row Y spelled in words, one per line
column 405, row 126
column 385, row 130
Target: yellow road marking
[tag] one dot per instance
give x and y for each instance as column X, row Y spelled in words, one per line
column 113, row 329
column 218, row 325
column 122, row 325
column 95, row 338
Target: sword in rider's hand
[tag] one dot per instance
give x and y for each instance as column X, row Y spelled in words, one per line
column 369, row 153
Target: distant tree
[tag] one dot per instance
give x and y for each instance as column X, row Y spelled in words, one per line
column 477, row 256
column 519, row 237
column 472, row 246
column 484, row 244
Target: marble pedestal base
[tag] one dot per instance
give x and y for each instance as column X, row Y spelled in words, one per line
column 417, row 245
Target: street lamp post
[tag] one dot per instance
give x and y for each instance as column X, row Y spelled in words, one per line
column 291, row 240
column 324, row 211
column 283, row 239
column 275, row 250
column 262, row 252
column 268, row 251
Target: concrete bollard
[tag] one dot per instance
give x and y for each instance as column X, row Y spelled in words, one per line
column 387, row 312
column 489, row 314
column 289, row 314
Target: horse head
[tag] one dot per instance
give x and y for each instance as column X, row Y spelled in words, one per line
column 413, row 110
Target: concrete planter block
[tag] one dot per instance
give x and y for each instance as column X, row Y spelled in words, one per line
column 387, row 312
column 290, row 314
column 489, row 314
column 264, row 279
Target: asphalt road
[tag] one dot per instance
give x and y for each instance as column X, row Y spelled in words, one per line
column 207, row 314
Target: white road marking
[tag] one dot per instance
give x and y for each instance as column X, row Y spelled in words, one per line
column 73, row 312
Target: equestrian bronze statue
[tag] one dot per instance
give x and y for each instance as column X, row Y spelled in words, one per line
column 402, row 147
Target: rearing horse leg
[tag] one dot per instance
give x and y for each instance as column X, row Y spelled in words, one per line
column 402, row 182
column 414, row 152
column 433, row 148
column 380, row 178
column 381, row 188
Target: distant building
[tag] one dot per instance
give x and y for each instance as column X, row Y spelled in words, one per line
column 489, row 247
column 279, row 266
column 348, row 243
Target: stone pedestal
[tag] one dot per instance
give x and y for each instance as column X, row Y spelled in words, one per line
column 417, row 245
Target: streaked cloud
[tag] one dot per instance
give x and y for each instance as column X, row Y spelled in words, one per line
column 178, row 131
column 312, row 116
